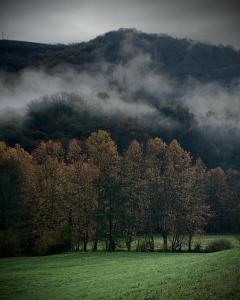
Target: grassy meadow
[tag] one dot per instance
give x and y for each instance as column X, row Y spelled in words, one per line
column 123, row 275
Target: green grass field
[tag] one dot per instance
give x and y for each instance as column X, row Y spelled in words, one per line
column 123, row 275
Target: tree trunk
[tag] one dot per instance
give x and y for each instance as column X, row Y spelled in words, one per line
column 173, row 243
column 112, row 245
column 165, row 243
column 152, row 243
column 85, row 242
column 176, row 242
column 129, row 243
column 111, row 242
column 190, row 242
column 70, row 230
column 180, row 247
column 95, row 245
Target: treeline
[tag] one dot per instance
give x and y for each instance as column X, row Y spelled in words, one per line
column 87, row 193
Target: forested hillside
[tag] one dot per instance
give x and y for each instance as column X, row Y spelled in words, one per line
column 132, row 84
column 178, row 57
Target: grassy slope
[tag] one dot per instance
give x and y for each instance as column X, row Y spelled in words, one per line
column 122, row 275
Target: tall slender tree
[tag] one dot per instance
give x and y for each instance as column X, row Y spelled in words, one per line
column 132, row 182
column 102, row 151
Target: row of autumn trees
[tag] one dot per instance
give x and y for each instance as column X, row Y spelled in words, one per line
column 87, row 194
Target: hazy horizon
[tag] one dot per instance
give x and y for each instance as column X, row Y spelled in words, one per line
column 56, row 21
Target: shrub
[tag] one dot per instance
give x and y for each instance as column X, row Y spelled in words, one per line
column 52, row 242
column 45, row 243
column 144, row 246
column 8, row 244
column 197, row 247
column 218, row 245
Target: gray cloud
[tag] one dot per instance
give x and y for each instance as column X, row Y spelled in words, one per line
column 216, row 108
column 76, row 20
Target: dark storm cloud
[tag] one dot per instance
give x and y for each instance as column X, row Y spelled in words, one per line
column 71, row 21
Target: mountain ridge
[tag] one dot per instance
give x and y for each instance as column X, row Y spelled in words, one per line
column 181, row 58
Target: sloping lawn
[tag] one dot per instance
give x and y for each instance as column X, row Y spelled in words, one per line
column 122, row 275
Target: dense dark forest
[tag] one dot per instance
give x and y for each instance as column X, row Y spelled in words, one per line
column 85, row 193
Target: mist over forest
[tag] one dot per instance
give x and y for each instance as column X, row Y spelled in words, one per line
column 134, row 85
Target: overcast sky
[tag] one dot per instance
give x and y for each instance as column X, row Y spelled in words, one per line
column 66, row 21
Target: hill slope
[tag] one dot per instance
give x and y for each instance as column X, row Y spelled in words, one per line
column 122, row 276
